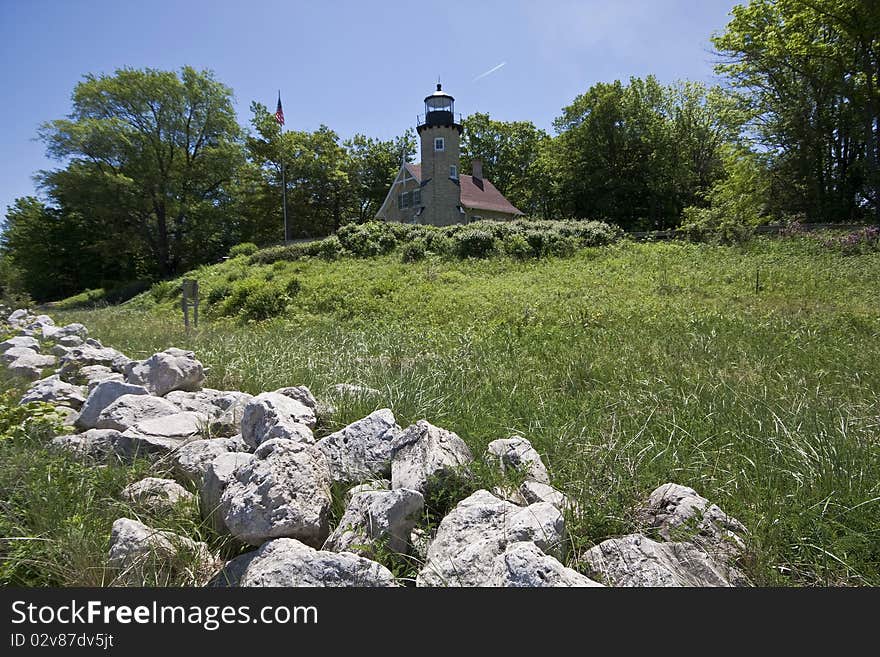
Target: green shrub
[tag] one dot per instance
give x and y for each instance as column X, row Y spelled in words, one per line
column 165, row 290
column 414, row 251
column 475, row 243
column 264, row 302
column 218, row 293
column 330, row 248
column 292, row 287
column 243, row 249
column 517, row 246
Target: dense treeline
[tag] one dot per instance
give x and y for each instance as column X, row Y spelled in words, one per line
column 159, row 177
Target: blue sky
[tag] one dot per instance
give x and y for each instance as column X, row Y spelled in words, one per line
column 354, row 66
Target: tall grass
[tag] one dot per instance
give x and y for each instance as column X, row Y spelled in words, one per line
column 627, row 366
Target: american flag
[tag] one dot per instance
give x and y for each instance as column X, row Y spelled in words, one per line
column 279, row 113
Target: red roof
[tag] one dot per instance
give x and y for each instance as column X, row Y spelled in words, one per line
column 480, row 195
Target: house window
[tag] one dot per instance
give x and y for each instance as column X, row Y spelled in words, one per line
column 453, row 172
column 417, row 197
column 403, row 200
column 439, row 144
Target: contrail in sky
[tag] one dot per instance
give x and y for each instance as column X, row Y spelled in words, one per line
column 489, row 72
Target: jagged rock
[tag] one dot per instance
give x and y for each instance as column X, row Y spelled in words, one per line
column 353, row 390
column 20, row 342
column 283, row 492
column 679, row 513
column 224, row 408
column 144, row 554
column 191, row 461
column 41, row 321
column 271, row 415
column 86, row 355
column 59, row 351
column 14, row 353
column 372, row 484
column 288, row 562
column 53, row 390
column 478, row 530
column 218, row 473
column 131, row 409
column 70, row 341
column 377, row 518
column 95, row 444
column 155, row 494
column 524, row 565
column 102, row 396
column 92, row 375
column 517, row 453
column 19, row 318
column 172, row 369
column 636, row 560
column 425, row 454
column 67, row 414
column 170, row 430
column 57, row 333
column 535, row 491
column 511, row 494
column 301, row 394
column 29, row 365
column 363, row 449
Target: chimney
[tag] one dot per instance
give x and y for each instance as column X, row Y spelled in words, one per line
column 477, row 170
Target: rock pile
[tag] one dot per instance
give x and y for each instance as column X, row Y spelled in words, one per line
column 260, row 475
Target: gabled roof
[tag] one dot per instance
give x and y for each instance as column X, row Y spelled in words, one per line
column 477, row 195
column 482, row 195
column 415, row 170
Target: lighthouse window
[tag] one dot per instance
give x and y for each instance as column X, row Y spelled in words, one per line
column 417, row 197
column 453, row 172
column 439, row 144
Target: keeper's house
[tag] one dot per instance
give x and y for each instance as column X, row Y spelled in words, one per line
column 433, row 192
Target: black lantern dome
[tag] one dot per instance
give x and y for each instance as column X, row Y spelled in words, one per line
column 439, row 108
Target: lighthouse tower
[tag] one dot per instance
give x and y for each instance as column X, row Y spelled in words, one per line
column 441, row 145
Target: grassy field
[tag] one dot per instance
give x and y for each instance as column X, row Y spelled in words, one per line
column 627, row 366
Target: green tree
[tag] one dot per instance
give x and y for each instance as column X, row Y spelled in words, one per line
column 372, row 165
column 509, row 152
column 809, row 71
column 150, row 154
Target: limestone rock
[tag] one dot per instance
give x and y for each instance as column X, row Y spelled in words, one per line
column 58, row 333
column 69, row 341
column 283, row 492
column 19, row 318
column 271, row 415
column 131, row 409
column 67, row 414
column 370, row 485
column 156, row 494
column 517, row 453
column 374, row 518
column 535, row 491
column 524, row 565
column 53, row 390
column 20, row 341
column 425, row 453
column 102, row 396
column 144, row 555
column 191, row 461
column 288, row 562
column 174, row 429
column 95, row 444
column 224, row 408
column 86, row 355
column 172, row 369
column 636, row 560
column 363, row 449
column 29, row 365
column 12, row 354
column 679, row 513
column 477, row 531
column 301, row 394
column 91, row 375
column 218, row 473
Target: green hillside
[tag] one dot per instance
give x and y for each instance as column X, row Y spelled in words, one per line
column 627, row 366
